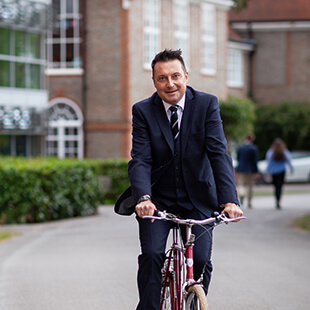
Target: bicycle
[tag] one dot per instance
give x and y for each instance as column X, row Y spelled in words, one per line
column 179, row 289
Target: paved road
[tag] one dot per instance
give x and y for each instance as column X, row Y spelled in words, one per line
column 90, row 263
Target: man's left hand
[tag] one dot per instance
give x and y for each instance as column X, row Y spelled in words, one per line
column 233, row 210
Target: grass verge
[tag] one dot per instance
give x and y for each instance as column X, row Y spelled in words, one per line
column 6, row 235
column 303, row 222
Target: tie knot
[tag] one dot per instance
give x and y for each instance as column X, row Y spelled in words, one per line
column 173, row 108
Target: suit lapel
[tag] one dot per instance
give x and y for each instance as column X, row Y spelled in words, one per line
column 187, row 118
column 162, row 120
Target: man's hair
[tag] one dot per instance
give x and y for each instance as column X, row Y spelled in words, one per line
column 250, row 137
column 168, row 55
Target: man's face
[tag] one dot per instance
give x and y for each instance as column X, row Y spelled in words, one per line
column 170, row 80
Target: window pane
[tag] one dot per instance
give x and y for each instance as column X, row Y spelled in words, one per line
column 71, row 131
column 20, row 43
column 69, row 53
column 35, row 45
column 20, row 75
column 4, row 73
column 69, row 7
column 70, row 28
column 56, row 7
column 52, row 148
column 5, row 41
column 56, row 52
column 35, row 77
column 21, row 146
column 5, row 145
column 56, row 29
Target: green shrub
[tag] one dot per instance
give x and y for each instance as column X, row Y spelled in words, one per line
column 238, row 117
column 38, row 190
column 116, row 170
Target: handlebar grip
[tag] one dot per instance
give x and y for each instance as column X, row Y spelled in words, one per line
column 215, row 214
column 156, row 213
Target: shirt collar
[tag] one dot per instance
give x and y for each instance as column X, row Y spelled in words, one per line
column 180, row 104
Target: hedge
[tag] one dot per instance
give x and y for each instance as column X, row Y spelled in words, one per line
column 37, row 190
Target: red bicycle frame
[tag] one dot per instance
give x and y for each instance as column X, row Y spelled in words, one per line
column 173, row 275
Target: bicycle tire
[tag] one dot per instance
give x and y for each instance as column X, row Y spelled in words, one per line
column 196, row 300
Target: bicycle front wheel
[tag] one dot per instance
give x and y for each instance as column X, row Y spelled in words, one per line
column 196, row 300
column 167, row 297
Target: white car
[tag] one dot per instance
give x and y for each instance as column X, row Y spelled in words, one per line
column 301, row 165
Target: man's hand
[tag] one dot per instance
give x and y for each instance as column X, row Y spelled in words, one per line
column 145, row 208
column 233, row 210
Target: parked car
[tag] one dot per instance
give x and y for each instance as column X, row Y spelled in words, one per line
column 301, row 164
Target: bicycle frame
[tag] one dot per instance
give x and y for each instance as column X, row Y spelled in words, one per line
column 175, row 255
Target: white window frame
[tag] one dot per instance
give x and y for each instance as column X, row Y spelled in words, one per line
column 74, row 67
column 235, row 74
column 208, row 39
column 181, row 19
column 151, row 31
column 74, row 121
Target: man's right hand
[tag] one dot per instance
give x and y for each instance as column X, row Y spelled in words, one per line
column 145, row 208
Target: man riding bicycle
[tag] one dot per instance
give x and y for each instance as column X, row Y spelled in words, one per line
column 178, row 133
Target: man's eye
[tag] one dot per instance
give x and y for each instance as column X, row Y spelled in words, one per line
column 161, row 78
column 176, row 76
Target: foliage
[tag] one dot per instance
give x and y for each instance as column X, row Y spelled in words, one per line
column 240, row 4
column 116, row 170
column 38, row 190
column 238, row 117
column 288, row 121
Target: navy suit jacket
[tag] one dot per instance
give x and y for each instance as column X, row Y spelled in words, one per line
column 207, row 168
column 247, row 156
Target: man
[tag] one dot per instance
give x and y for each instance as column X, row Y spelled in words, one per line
column 247, row 156
column 188, row 147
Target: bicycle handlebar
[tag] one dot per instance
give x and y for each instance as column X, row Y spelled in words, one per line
column 164, row 216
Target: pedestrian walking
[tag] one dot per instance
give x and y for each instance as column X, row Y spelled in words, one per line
column 278, row 157
column 246, row 171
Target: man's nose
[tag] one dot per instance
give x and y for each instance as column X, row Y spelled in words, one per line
column 170, row 82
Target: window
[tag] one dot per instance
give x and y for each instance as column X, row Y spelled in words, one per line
column 20, row 145
column 235, row 75
column 208, row 39
column 151, row 31
column 65, row 39
column 21, row 59
column 181, row 22
column 65, row 134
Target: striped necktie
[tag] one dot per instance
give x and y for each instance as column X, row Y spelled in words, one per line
column 174, row 124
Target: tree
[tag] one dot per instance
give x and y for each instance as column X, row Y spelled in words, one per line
column 238, row 115
column 240, row 4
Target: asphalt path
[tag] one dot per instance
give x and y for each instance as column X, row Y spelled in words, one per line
column 90, row 263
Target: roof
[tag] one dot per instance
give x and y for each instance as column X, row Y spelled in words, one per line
column 273, row 10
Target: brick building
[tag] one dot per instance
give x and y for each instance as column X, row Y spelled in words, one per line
column 280, row 64
column 98, row 64
column 98, row 70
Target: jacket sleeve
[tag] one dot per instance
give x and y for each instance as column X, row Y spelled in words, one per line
column 139, row 167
